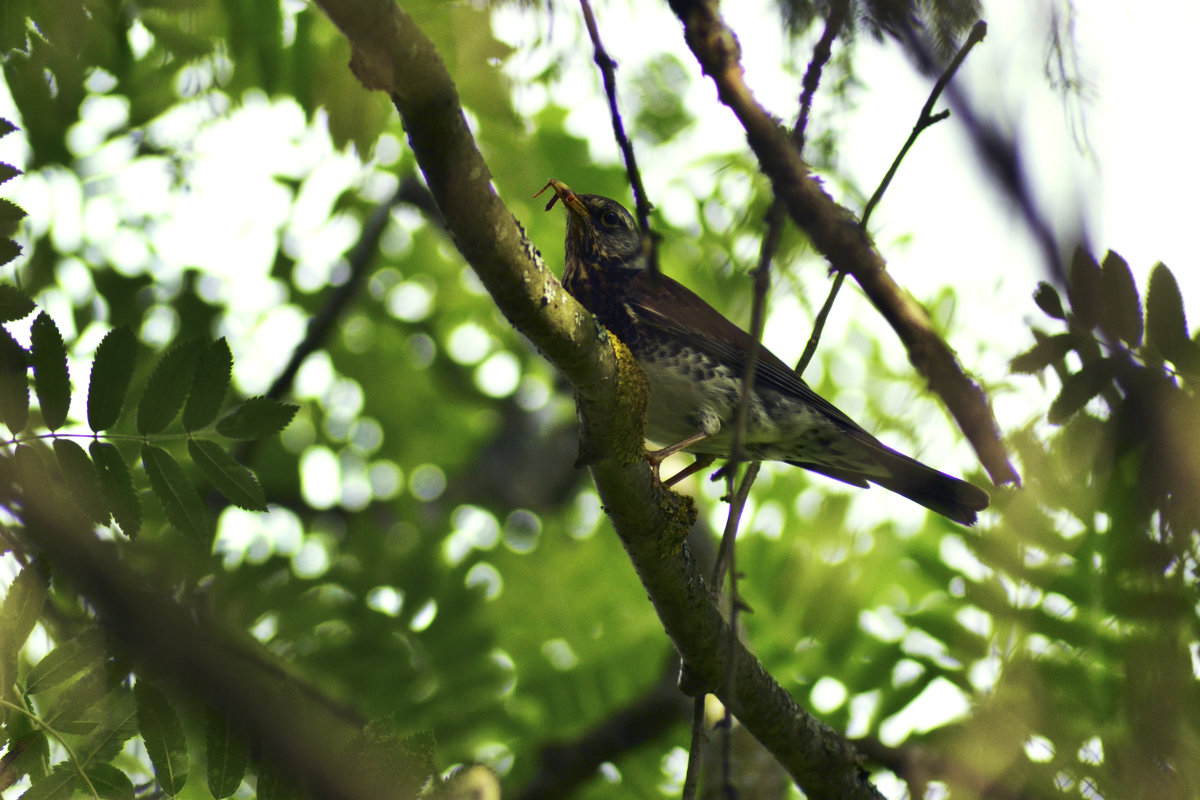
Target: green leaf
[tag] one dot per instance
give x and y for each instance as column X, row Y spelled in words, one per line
column 6, row 127
column 8, row 172
column 273, row 785
column 109, row 782
column 65, row 661
column 227, row 755
column 257, row 418
column 117, row 487
column 235, row 481
column 209, row 387
column 9, row 250
column 80, row 700
column 1085, row 289
column 1122, row 306
column 1047, row 351
column 1166, row 324
column 168, row 387
column 14, row 304
column 58, row 785
column 182, row 505
column 14, row 383
column 34, row 478
column 50, row 376
column 1079, row 388
column 112, row 370
column 118, row 712
column 11, row 215
column 20, row 611
column 1048, row 301
column 82, row 480
column 163, row 734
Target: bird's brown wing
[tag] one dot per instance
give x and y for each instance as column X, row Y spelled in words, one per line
column 675, row 310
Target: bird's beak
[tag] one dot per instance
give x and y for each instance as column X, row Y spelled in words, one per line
column 568, row 197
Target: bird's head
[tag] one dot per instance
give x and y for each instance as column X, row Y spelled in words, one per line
column 601, row 234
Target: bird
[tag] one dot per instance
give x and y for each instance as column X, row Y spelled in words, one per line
column 694, row 360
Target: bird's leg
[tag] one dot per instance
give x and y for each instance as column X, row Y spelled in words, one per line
column 700, row 463
column 656, row 457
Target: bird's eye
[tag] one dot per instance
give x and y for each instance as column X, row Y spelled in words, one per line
column 611, row 219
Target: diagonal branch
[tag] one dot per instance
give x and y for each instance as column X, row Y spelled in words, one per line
column 835, row 232
column 391, row 53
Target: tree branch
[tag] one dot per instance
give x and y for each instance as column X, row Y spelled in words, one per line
column 392, row 54
column 835, row 232
column 310, row 741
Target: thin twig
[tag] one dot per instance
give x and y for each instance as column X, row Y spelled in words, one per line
column 927, row 117
column 775, row 219
column 924, row 120
column 822, row 52
column 608, row 71
column 360, row 261
column 691, row 778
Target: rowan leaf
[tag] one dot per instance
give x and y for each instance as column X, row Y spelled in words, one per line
column 8, row 172
column 163, row 734
column 109, row 782
column 1048, row 301
column 118, row 710
column 65, row 661
column 20, row 611
column 58, row 785
column 211, row 382
column 168, row 387
column 1085, row 289
column 1079, row 388
column 117, row 487
column 1166, row 323
column 233, row 480
column 51, row 379
column 257, row 418
column 1122, row 306
column 1047, row 351
column 32, row 474
column 112, row 369
column 227, row 756
column 9, row 250
column 179, row 500
column 82, row 481
column 11, row 215
column 14, row 304
column 14, row 383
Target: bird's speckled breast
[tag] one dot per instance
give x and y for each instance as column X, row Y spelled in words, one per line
column 778, row 427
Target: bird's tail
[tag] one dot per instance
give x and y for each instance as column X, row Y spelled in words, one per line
column 937, row 491
column 945, row 494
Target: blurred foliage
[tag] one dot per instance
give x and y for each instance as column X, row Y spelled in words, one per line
column 430, row 559
column 939, row 24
